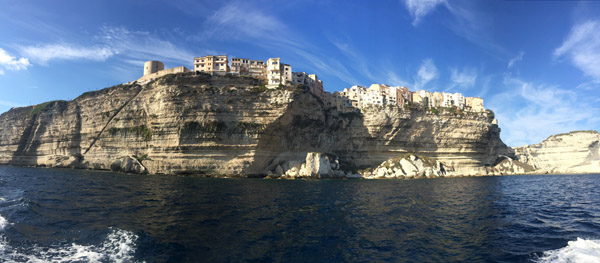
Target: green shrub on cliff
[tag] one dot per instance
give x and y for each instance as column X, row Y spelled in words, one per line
column 194, row 127
column 248, row 127
column 38, row 108
column 140, row 131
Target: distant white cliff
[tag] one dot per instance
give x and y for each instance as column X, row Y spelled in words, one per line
column 574, row 152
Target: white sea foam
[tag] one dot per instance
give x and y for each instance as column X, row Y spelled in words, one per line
column 3, row 223
column 580, row 251
column 119, row 246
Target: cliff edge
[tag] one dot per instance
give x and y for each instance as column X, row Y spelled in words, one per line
column 194, row 123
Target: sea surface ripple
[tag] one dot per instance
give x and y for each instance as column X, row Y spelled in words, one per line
column 62, row 215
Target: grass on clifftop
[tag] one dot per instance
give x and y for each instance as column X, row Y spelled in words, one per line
column 37, row 109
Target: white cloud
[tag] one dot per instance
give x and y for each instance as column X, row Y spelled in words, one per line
column 142, row 45
column 357, row 58
column 463, row 79
column 393, row 79
column 582, row 48
column 10, row 104
column 44, row 53
column 8, row 62
column 516, row 59
column 427, row 72
column 242, row 21
column 528, row 113
column 118, row 42
column 420, row 8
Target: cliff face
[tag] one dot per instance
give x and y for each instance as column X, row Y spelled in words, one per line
column 230, row 125
column 574, row 152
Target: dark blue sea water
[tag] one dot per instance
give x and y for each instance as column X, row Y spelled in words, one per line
column 60, row 215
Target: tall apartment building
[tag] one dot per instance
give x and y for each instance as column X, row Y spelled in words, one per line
column 278, row 73
column 212, row 64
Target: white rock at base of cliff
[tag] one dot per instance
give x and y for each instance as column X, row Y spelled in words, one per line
column 128, row 164
column 410, row 166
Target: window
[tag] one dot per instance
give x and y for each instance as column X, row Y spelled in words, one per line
column 274, row 63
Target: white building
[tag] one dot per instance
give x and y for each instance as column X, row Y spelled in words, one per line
column 278, row 73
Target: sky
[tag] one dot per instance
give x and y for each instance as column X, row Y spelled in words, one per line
column 536, row 64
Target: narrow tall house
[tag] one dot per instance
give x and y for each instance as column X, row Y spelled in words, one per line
column 278, row 73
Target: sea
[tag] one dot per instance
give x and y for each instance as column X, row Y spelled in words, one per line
column 65, row 215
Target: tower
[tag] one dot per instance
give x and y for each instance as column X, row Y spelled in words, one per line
column 153, row 66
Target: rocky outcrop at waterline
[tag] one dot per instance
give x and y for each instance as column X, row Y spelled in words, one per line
column 225, row 125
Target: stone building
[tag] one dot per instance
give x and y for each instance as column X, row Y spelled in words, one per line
column 474, row 104
column 212, row 64
column 153, row 66
column 154, row 69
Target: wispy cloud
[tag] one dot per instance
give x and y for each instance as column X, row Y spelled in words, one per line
column 462, row 79
column 242, row 21
column 393, row 79
column 582, row 48
column 8, row 62
column 44, row 53
column 427, row 72
column 143, row 45
column 110, row 42
column 516, row 59
column 10, row 104
column 528, row 112
column 467, row 22
column 420, row 8
column 475, row 27
column 355, row 56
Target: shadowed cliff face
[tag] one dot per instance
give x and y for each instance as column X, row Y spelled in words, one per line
column 198, row 124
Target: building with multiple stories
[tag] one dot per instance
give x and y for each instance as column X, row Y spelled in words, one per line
column 244, row 66
column 212, row 64
column 276, row 73
column 383, row 95
column 272, row 71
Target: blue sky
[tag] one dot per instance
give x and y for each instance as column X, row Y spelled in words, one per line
column 535, row 63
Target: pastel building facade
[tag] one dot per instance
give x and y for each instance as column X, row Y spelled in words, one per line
column 212, row 64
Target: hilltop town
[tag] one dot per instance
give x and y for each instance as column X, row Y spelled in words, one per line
column 277, row 74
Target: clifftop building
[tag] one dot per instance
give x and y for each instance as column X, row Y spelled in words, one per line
column 276, row 73
column 212, row 64
column 244, row 66
column 154, row 69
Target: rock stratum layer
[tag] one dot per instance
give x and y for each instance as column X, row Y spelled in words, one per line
column 222, row 125
column 574, row 152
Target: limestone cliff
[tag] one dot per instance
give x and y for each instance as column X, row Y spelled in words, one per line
column 574, row 152
column 198, row 124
